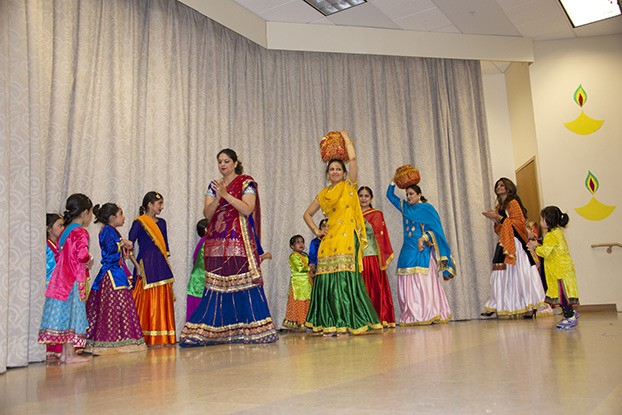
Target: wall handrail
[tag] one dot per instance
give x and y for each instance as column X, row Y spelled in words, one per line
column 608, row 245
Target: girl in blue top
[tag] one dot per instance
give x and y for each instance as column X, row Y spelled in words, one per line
column 424, row 257
column 113, row 322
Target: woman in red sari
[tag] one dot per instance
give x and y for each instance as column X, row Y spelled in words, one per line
column 376, row 259
column 234, row 308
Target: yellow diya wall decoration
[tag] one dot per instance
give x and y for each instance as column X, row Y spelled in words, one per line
column 583, row 124
column 594, row 210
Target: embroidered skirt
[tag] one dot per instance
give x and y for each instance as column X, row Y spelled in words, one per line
column 422, row 298
column 379, row 290
column 156, row 313
column 517, row 288
column 64, row 321
column 230, row 317
column 295, row 312
column 113, row 321
column 340, row 304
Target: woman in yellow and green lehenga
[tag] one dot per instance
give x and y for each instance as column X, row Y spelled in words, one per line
column 340, row 303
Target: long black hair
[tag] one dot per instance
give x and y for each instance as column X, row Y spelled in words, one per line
column 511, row 194
column 75, row 205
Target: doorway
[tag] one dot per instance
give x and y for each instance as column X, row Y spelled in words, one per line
column 527, row 183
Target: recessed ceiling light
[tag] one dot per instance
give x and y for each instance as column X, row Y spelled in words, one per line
column 328, row 7
column 582, row 12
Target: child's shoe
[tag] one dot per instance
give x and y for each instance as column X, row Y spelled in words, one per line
column 576, row 314
column 567, row 323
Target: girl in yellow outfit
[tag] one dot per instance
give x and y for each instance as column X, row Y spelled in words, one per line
column 339, row 300
column 558, row 266
column 299, row 294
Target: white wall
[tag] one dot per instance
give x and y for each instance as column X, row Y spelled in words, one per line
column 499, row 133
column 565, row 157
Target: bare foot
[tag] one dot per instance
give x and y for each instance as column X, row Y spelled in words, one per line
column 75, row 359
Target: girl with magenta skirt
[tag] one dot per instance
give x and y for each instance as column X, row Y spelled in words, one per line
column 113, row 322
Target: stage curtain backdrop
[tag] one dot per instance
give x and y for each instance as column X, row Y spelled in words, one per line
column 120, row 97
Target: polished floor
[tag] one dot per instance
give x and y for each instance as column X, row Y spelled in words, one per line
column 474, row 367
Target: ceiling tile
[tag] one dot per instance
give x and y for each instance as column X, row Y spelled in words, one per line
column 426, row 21
column 366, row 15
column 296, row 11
column 479, row 17
column 396, row 9
column 261, row 6
column 535, row 10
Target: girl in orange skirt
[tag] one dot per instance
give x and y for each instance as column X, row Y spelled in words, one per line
column 299, row 295
column 153, row 289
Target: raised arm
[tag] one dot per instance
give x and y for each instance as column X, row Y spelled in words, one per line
column 395, row 201
column 210, row 203
column 353, row 167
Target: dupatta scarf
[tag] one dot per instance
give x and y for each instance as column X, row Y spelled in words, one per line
column 231, row 255
column 338, row 251
column 512, row 224
column 433, row 231
column 385, row 250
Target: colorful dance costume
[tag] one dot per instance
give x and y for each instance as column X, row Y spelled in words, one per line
column 421, row 295
column 64, row 312
column 153, row 282
column 559, row 269
column 314, row 247
column 339, row 300
column 113, row 322
column 515, row 285
column 299, row 294
column 196, row 283
column 233, row 308
column 376, row 259
column 53, row 351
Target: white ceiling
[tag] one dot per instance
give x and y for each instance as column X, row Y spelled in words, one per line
column 534, row 19
column 530, row 19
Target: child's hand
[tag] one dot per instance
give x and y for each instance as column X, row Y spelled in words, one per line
column 533, row 244
column 264, row 256
column 127, row 244
column 420, row 244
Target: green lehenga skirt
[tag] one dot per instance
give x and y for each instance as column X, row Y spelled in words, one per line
column 340, row 303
